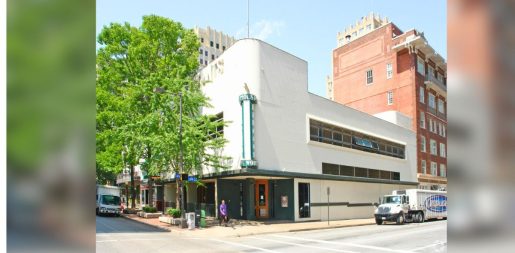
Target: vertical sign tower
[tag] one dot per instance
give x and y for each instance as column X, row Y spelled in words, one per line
column 247, row 102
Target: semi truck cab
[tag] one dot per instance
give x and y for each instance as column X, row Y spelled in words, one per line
column 392, row 208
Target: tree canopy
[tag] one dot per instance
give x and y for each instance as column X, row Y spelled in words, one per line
column 141, row 71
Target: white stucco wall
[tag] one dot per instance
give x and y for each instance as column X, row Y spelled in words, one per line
column 279, row 81
column 342, row 191
column 396, row 117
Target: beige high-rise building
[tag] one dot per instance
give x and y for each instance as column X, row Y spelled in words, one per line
column 361, row 27
column 212, row 44
column 329, row 87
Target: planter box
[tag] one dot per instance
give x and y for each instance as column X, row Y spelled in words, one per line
column 170, row 220
column 149, row 215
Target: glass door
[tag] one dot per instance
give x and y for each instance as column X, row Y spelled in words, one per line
column 261, row 200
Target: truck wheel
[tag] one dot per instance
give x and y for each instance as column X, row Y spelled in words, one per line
column 379, row 221
column 421, row 217
column 400, row 219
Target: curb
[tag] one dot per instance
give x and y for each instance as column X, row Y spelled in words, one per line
column 295, row 230
column 188, row 232
column 339, row 226
column 150, row 225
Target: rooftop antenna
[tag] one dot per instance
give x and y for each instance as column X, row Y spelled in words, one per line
column 248, row 19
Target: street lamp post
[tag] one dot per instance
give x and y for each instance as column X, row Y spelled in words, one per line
column 181, row 162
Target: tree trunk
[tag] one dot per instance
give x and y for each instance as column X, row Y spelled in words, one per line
column 177, row 201
column 133, row 190
column 150, row 192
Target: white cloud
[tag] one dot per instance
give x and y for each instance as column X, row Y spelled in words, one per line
column 262, row 29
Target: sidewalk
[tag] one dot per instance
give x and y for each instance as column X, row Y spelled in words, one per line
column 255, row 229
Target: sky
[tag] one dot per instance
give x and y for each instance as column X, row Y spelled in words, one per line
column 304, row 28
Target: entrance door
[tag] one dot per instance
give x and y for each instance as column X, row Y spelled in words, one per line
column 261, row 199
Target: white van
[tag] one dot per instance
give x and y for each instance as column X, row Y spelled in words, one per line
column 108, row 200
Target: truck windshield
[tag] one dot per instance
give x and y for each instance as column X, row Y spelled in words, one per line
column 110, row 200
column 392, row 200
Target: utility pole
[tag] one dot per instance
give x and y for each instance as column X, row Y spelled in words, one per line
column 328, row 192
column 181, row 192
column 248, row 19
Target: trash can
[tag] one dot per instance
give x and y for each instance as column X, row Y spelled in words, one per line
column 202, row 218
column 197, row 218
column 190, row 217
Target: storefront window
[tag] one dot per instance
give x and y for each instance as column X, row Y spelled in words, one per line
column 304, row 204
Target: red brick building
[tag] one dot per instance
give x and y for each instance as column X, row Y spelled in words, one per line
column 387, row 70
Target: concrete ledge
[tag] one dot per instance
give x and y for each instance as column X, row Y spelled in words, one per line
column 170, row 220
column 149, row 215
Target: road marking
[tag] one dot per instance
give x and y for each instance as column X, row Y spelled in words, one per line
column 135, row 239
column 243, row 245
column 303, row 245
column 344, row 244
column 429, row 246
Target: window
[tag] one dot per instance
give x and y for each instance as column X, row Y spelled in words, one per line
column 361, row 30
column 442, row 150
column 389, row 97
column 354, row 34
column 420, row 66
column 443, row 131
column 422, row 143
column 423, row 166
column 351, row 171
column 206, row 53
column 338, row 136
column 434, row 127
column 211, row 43
column 205, row 62
column 201, row 51
column 370, row 77
column 443, row 170
column 304, row 204
column 201, row 40
column 433, row 168
column 389, row 71
column 432, row 101
column 422, row 120
column 441, row 107
column 433, row 147
column 331, row 169
column 223, row 48
column 369, row 27
column 217, row 46
column 346, row 170
column 439, row 77
column 218, row 120
column 201, row 61
column 212, row 57
column 430, row 70
column 430, row 125
column 421, row 94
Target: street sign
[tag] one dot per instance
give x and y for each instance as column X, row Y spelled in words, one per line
column 192, row 179
column 177, row 176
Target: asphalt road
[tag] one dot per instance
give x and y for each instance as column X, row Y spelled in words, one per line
column 116, row 234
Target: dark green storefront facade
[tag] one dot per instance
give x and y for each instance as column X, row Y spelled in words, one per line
column 240, row 196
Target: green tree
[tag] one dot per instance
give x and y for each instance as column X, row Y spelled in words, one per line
column 140, row 74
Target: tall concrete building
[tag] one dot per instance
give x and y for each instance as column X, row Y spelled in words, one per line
column 362, row 27
column 399, row 77
column 213, row 44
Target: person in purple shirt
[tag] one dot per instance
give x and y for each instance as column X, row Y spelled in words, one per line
column 223, row 213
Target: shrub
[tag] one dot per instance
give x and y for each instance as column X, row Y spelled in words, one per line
column 148, row 209
column 176, row 213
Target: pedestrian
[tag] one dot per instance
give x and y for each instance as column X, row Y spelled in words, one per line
column 223, row 213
